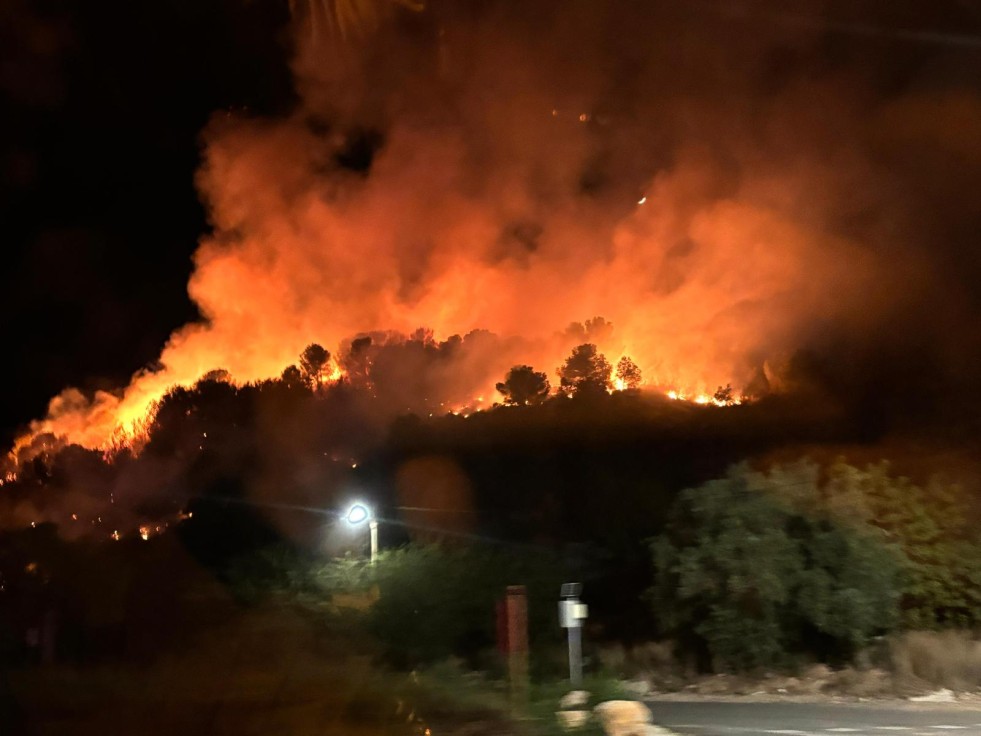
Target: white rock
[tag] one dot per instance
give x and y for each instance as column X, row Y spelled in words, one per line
column 574, row 699
column 570, row 719
column 940, row 696
column 624, row 718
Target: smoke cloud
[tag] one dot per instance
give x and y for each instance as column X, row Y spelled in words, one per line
column 724, row 188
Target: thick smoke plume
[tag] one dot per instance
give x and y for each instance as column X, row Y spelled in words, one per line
column 725, row 190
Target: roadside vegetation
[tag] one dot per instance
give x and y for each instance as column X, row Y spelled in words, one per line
column 719, row 546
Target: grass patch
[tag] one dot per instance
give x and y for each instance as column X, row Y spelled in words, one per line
column 447, row 690
column 939, row 659
column 545, row 700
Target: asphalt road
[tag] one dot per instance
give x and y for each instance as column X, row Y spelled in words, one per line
column 710, row 718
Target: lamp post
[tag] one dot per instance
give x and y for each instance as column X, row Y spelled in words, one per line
column 358, row 514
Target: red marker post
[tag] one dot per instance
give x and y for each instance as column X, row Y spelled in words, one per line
column 516, row 627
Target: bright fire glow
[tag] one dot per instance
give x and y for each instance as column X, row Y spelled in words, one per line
column 703, row 399
column 707, row 280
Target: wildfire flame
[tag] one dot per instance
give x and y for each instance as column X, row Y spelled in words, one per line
column 704, row 398
column 703, row 273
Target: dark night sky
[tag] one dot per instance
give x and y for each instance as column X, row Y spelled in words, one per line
column 103, row 105
column 102, row 108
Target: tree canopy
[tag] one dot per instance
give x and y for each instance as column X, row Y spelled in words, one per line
column 586, row 371
column 753, row 578
column 313, row 364
column 524, row 386
column 628, row 374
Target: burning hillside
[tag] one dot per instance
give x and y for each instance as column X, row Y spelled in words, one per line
column 452, row 173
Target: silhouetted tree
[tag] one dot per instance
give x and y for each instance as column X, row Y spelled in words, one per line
column 403, row 375
column 313, row 363
column 212, row 417
column 724, row 395
column 356, row 360
column 628, row 373
column 216, row 375
column 524, row 386
column 586, row 371
column 292, row 376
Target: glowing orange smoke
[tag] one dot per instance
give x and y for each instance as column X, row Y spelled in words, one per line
column 695, row 289
column 703, row 277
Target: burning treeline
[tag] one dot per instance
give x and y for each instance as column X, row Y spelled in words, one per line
column 722, row 200
column 298, row 443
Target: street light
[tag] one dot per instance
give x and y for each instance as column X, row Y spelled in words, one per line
column 358, row 514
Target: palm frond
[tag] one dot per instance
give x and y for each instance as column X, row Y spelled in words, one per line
column 348, row 18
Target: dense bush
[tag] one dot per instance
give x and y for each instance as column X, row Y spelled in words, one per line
column 931, row 525
column 435, row 601
column 753, row 578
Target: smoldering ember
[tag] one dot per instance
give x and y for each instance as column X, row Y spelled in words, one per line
column 677, row 301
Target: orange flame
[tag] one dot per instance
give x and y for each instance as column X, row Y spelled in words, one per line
column 700, row 285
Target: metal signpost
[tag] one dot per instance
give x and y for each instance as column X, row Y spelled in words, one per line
column 572, row 612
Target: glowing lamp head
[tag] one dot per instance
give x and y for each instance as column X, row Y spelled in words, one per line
column 357, row 514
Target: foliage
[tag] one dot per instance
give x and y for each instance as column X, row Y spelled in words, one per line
column 929, row 526
column 524, row 386
column 544, row 701
column 274, row 569
column 291, row 376
column 941, row 549
column 216, row 375
column 604, row 471
column 628, row 373
column 416, row 373
column 724, row 395
column 585, row 372
column 447, row 690
column 356, row 360
column 755, row 579
column 313, row 363
column 438, row 601
column 446, row 687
